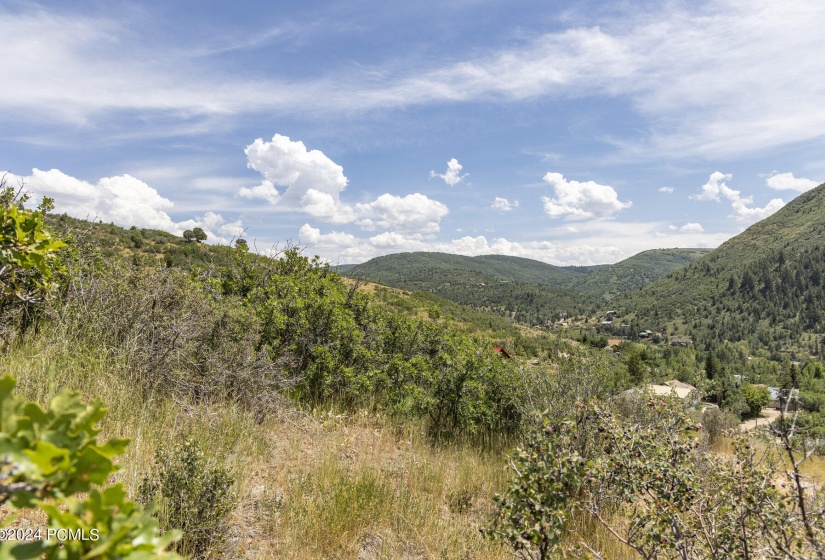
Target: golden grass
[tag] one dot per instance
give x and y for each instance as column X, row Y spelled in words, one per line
column 310, row 485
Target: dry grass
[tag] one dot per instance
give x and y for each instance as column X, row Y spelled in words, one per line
column 310, row 485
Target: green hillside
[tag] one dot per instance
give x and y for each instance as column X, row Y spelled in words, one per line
column 274, row 399
column 636, row 272
column 530, row 291
column 523, row 289
column 424, row 271
column 764, row 286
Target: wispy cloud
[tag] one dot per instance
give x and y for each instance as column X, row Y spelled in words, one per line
column 719, row 78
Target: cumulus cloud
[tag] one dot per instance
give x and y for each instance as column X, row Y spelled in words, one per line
column 581, row 201
column 410, row 213
column 716, row 187
column 787, row 181
column 123, row 200
column 503, row 204
column 746, row 215
column 741, row 210
column 666, row 190
column 692, row 227
column 313, row 183
column 453, row 174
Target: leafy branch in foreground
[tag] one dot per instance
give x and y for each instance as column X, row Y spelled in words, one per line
column 27, row 254
column 51, row 461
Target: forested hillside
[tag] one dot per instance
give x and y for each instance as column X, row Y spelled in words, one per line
column 530, row 292
column 634, row 273
column 764, row 286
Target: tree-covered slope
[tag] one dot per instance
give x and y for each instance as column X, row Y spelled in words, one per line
column 636, row 272
column 531, row 291
column 423, row 271
column 764, row 285
column 524, row 289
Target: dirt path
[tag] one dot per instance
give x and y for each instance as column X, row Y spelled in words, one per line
column 768, row 415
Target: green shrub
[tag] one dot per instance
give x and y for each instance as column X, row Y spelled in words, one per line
column 756, row 397
column 27, row 262
column 192, row 496
column 715, row 422
column 534, row 514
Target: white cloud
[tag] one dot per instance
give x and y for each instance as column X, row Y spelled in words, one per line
column 344, row 248
column 410, row 213
column 745, row 215
column 580, row 201
column 326, row 206
column 666, row 190
column 453, row 174
column 313, row 236
column 592, row 242
column 787, row 181
column 504, row 205
column 122, row 200
column 265, row 191
column 314, row 183
column 741, row 209
column 715, row 186
column 716, row 77
column 289, row 164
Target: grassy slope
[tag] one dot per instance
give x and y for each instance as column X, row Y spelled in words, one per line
column 505, row 285
column 319, row 485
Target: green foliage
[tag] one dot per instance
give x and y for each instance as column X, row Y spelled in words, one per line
column 764, row 286
column 198, row 234
column 241, row 244
column 756, row 397
column 335, row 345
column 189, row 235
column 52, row 462
column 530, row 291
column 192, row 497
column 716, row 422
column 27, row 261
column 534, row 513
column 658, row 492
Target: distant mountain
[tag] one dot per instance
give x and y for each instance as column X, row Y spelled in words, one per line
column 765, row 286
column 528, row 290
column 523, row 289
column 635, row 272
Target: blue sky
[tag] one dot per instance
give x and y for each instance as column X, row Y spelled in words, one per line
column 568, row 132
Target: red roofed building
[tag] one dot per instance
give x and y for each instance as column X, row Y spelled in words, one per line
column 503, row 352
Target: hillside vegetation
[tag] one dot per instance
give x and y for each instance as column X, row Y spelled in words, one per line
column 764, row 286
column 267, row 407
column 528, row 291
